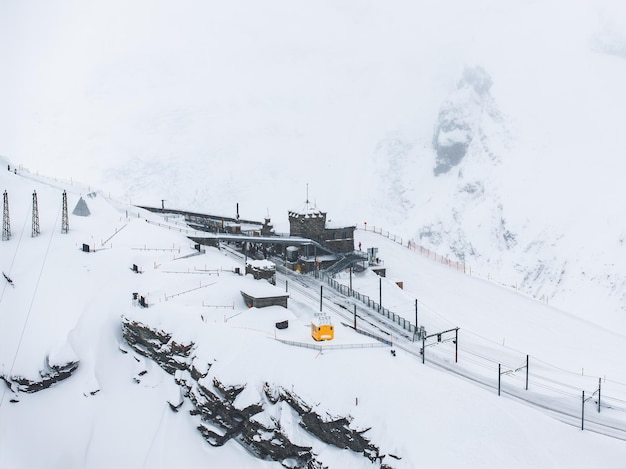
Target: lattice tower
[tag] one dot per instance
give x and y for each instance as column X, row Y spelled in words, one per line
column 35, row 231
column 6, row 222
column 65, row 223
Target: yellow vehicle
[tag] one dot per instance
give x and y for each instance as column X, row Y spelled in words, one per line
column 324, row 330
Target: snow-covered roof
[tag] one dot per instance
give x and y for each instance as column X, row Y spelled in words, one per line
column 308, row 210
column 261, row 289
column 263, row 264
column 321, row 258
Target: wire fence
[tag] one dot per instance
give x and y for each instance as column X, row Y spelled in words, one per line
column 440, row 258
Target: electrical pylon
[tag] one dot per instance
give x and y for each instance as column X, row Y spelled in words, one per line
column 65, row 224
column 6, row 223
column 35, row 231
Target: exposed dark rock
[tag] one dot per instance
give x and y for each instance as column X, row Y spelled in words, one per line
column 278, row 394
column 334, row 431
column 229, row 393
column 157, row 345
column 458, row 122
column 196, row 373
column 263, row 442
column 178, row 402
column 51, row 375
column 173, row 407
column 338, row 433
column 214, row 403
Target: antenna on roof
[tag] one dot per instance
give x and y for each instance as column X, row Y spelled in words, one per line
column 306, row 205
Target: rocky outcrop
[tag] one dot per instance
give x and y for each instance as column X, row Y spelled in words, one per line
column 157, row 345
column 222, row 420
column 460, row 119
column 52, row 374
column 238, row 424
column 333, row 431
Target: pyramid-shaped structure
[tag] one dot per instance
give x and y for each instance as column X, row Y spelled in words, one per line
column 81, row 209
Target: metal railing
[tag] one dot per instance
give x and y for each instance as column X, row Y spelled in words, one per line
column 366, row 300
column 331, row 346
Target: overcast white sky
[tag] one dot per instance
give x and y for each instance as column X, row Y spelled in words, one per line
column 77, row 75
column 256, row 86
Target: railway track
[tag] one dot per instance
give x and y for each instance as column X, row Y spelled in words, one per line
column 567, row 409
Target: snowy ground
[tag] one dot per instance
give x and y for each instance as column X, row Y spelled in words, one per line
column 205, row 104
column 113, row 411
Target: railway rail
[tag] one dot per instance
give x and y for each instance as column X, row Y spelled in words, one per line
column 553, row 397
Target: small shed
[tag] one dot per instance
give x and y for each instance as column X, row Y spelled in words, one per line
column 262, row 294
column 262, row 269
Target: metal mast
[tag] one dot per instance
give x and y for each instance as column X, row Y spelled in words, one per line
column 35, row 232
column 65, row 224
column 6, row 223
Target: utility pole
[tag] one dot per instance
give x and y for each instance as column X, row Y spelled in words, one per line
column 321, row 297
column 599, row 387
column 582, row 418
column 6, row 223
column 350, row 279
column 527, row 372
column 355, row 317
column 35, row 231
column 439, row 336
column 380, row 293
column 315, row 269
column 65, row 224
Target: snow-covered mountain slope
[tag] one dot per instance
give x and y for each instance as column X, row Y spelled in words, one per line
column 117, row 407
column 490, row 133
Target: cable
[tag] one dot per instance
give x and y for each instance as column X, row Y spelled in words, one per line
column 19, row 241
column 564, row 370
column 30, row 307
